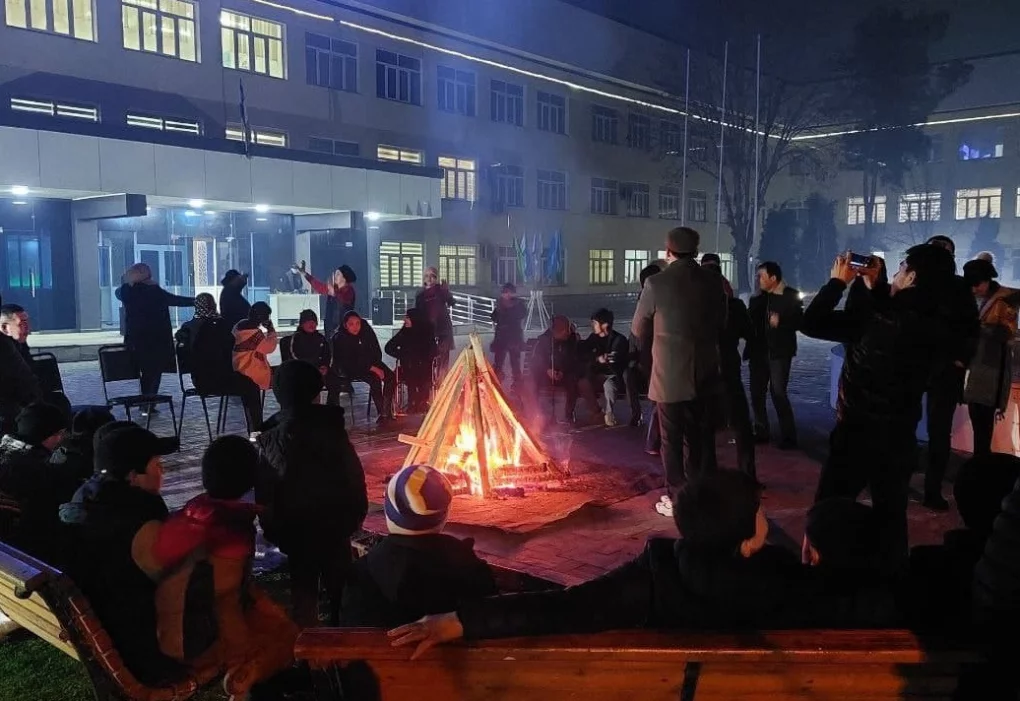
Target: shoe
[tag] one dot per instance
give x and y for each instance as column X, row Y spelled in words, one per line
column 651, row 451
column 665, row 499
column 664, row 508
column 150, row 411
column 254, row 436
column 636, row 421
column 936, row 502
column 611, row 420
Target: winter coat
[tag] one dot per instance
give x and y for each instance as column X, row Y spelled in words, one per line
column 436, row 302
column 339, row 300
column 211, row 357
column 683, row 310
column 74, row 456
column 550, row 354
column 669, row 586
column 251, row 346
column 509, row 320
column 989, row 374
column 996, row 587
column 147, row 329
column 937, row 593
column 233, row 305
column 594, row 346
column 891, row 343
column 354, row 356
column 311, row 484
column 310, row 347
column 414, row 347
column 18, row 385
column 959, row 313
column 405, row 577
column 738, row 326
column 768, row 343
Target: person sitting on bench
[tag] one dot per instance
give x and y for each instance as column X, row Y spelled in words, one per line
column 414, row 345
column 555, row 363
column 606, row 354
column 416, row 569
column 358, row 357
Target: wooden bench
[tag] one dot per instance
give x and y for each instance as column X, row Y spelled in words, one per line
column 822, row 665
column 46, row 602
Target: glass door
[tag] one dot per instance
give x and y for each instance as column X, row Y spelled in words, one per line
column 167, row 264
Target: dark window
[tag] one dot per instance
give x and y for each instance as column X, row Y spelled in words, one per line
column 397, row 77
column 507, row 103
column 455, row 91
column 331, row 63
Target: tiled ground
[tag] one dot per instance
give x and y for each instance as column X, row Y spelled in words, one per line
column 594, row 539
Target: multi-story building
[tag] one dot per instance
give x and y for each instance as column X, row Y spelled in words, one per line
column 386, row 136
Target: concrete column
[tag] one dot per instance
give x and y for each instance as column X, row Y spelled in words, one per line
column 85, row 234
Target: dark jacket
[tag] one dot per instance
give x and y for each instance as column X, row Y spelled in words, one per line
column 958, row 311
column 406, row 577
column 353, row 356
column 779, row 342
column 104, row 516
column 891, row 341
column 594, row 346
column 311, row 483
column 74, row 455
column 310, row 347
column 937, row 593
column 668, row 586
column 738, row 326
column 996, row 587
column 18, row 386
column 413, row 346
column 211, row 356
column 233, row 305
column 509, row 320
column 147, row 329
column 549, row 354
column 436, row 301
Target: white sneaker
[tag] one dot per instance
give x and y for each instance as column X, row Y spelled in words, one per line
column 665, row 499
column 611, row 420
column 254, row 436
column 665, row 508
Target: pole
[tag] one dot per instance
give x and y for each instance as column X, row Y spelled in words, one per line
column 687, row 117
column 757, row 145
column 722, row 139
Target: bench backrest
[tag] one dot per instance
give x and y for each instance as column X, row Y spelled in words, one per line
column 645, row 665
column 22, row 578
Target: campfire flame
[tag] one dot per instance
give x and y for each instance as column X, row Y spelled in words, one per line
column 463, row 456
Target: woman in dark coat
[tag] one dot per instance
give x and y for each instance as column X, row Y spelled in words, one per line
column 147, row 330
column 435, row 299
column 233, row 306
column 414, row 346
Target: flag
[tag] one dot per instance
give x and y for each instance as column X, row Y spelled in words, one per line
column 551, row 257
column 245, row 126
column 521, row 247
column 538, row 250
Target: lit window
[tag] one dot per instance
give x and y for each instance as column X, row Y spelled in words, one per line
column 669, row 202
column 402, row 155
column 855, row 210
column 459, row 178
column 455, row 91
column 979, row 145
column 331, row 63
column 923, row 206
column 552, row 112
column 605, row 124
column 600, row 266
column 507, row 103
column 262, row 137
column 73, row 18
column 604, row 195
column 252, row 44
column 167, row 27
column 400, row 264
column 552, row 189
column 510, row 186
column 55, row 109
column 164, row 124
column 637, row 199
column 639, row 131
column 633, row 263
column 697, row 205
column 334, row 147
column 979, row 202
column 397, row 77
column 457, row 264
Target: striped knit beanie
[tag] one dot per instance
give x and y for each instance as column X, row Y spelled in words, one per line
column 418, row 501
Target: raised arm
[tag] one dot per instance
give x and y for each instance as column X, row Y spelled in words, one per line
column 641, row 325
column 822, row 320
column 318, row 286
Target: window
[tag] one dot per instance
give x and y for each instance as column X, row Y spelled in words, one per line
column 331, row 63
column 510, row 186
column 600, row 266
column 55, row 109
column 455, row 91
column 855, row 210
column 160, row 26
column 669, row 137
column 979, row 145
column 637, row 198
column 71, row 18
column 400, row 264
column 252, row 44
column 603, row 196
column 924, row 206
column 552, row 112
column 552, row 189
column 669, row 202
column 334, row 147
column 457, row 264
column 263, row 137
column 507, row 103
column 980, row 202
column 935, row 142
column 403, row 155
column 397, row 77
column 633, row 263
column 697, row 205
column 506, row 265
column 459, row 179
column 604, row 125
column 186, row 126
column 639, row 131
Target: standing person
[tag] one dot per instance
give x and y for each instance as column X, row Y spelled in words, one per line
column 738, row 326
column 606, row 355
column 945, row 388
column 508, row 315
column 414, row 345
column 435, row 299
column 776, row 313
column 683, row 309
column 147, row 330
column 358, row 356
column 641, row 359
column 339, row 292
column 892, row 341
column 18, row 386
column 233, row 305
column 989, row 375
column 254, row 339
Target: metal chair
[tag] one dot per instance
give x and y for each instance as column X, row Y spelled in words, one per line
column 47, row 370
column 184, row 367
column 117, row 364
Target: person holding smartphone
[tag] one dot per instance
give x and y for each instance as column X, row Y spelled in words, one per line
column 254, row 340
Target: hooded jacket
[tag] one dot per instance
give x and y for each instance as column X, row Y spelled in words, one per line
column 413, row 346
column 436, row 302
column 233, row 305
column 405, row 577
column 310, row 347
column 548, row 354
column 353, row 356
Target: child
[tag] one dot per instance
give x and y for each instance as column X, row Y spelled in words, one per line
column 254, row 340
column 308, row 344
column 414, row 346
column 416, row 570
column 250, row 637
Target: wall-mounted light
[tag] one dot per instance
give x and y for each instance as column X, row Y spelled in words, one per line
column 191, row 213
column 196, row 204
column 262, row 208
column 209, row 212
column 261, row 218
column 19, row 202
column 373, row 216
column 19, row 190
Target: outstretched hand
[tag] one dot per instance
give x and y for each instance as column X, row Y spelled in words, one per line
column 427, row 632
column 842, row 270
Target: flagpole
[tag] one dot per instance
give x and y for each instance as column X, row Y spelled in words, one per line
column 757, row 142
column 722, row 139
column 687, row 113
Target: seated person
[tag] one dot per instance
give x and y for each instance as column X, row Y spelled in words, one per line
column 357, row 356
column 74, row 453
column 308, row 344
column 606, row 354
column 254, row 340
column 414, row 345
column 416, row 570
column 312, row 490
column 720, row 576
column 18, row 385
column 253, row 638
column 205, row 309
column 113, row 521
column 15, row 324
column 38, row 488
column 555, row 363
column 509, row 315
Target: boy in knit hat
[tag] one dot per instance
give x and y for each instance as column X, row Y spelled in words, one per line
column 416, row 570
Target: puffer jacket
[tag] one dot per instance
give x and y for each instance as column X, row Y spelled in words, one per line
column 354, row 356
column 251, row 346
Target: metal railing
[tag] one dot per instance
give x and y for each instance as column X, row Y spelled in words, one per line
column 470, row 310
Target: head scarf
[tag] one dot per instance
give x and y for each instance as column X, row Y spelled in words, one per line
column 205, row 307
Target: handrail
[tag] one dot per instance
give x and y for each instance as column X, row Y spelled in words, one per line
column 469, row 310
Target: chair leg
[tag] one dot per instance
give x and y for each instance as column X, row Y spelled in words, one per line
column 184, row 404
column 220, row 419
column 173, row 418
column 127, row 410
column 205, row 410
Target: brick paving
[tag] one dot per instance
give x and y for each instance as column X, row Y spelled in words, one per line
column 594, row 539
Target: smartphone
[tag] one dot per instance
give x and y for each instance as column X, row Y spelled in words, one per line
column 858, row 260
